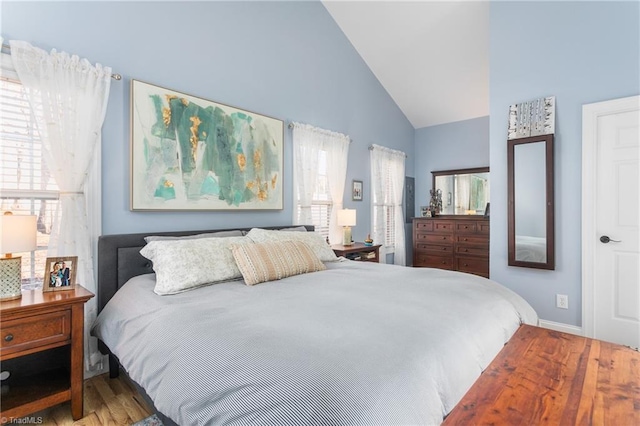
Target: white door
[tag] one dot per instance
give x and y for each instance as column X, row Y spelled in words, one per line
column 611, row 221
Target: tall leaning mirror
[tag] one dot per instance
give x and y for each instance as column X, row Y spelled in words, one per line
column 531, row 206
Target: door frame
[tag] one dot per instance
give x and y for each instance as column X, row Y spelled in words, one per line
column 590, row 115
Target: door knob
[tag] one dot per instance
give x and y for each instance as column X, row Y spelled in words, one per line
column 604, row 239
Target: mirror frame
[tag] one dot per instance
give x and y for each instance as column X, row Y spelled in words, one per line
column 550, row 263
column 456, row 172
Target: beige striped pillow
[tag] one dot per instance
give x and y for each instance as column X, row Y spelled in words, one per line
column 275, row 260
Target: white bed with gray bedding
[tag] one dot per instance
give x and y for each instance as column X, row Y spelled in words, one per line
column 358, row 343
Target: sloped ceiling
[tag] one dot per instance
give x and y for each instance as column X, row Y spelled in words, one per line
column 431, row 57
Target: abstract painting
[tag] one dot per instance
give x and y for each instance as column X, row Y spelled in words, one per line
column 189, row 153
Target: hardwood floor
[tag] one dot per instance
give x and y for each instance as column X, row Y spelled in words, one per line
column 106, row 402
column 547, row 377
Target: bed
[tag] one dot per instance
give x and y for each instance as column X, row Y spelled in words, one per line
column 357, row 343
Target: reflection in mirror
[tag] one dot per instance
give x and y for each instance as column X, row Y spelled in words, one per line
column 530, row 168
column 529, row 185
column 464, row 191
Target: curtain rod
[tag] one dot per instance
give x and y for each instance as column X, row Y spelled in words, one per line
column 405, row 155
column 113, row 76
column 292, row 125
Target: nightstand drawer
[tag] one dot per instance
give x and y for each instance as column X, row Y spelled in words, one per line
column 35, row 331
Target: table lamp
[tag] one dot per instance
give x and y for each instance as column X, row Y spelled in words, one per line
column 17, row 235
column 347, row 219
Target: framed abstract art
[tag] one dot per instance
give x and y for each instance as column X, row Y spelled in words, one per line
column 189, row 153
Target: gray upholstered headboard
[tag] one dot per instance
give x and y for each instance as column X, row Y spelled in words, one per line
column 119, row 258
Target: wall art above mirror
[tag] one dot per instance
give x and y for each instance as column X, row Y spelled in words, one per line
column 464, row 191
column 531, row 204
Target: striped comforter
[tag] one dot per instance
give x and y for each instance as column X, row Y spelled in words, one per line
column 359, row 343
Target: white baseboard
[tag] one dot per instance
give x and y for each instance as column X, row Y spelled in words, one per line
column 558, row 326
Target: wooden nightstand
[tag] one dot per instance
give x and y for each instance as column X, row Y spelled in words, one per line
column 42, row 346
column 358, row 251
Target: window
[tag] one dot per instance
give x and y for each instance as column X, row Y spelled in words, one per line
column 321, row 204
column 26, row 186
column 384, row 206
column 387, row 182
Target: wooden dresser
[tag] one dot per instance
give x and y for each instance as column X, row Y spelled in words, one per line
column 458, row 243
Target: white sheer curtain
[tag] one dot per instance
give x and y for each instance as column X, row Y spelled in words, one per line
column 72, row 96
column 308, row 141
column 387, row 183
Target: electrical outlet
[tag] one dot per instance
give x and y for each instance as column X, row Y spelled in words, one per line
column 562, row 301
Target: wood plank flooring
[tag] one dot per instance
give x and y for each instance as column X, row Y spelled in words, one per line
column 112, row 402
column 548, row 377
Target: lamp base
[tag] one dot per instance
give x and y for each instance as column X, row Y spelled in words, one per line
column 10, row 278
column 346, row 236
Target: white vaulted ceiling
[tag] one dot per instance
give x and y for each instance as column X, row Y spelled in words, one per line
column 431, row 57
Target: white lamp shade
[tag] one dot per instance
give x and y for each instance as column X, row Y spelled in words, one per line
column 17, row 233
column 346, row 217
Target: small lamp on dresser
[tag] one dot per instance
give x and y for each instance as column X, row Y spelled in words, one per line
column 346, row 218
column 17, row 235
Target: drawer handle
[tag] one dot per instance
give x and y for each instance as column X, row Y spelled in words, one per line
column 8, row 337
column 444, row 238
column 444, row 262
column 466, row 250
column 466, row 239
column 466, row 227
column 466, row 264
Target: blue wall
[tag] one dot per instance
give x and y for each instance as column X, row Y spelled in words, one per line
column 288, row 60
column 581, row 52
column 458, row 145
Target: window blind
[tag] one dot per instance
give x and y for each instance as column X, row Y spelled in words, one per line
column 26, row 186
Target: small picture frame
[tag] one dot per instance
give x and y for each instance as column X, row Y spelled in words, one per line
column 356, row 190
column 424, row 211
column 60, row 273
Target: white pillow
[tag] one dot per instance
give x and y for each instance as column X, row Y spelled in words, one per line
column 313, row 239
column 182, row 265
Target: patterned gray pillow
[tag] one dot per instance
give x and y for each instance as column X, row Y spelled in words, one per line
column 182, row 265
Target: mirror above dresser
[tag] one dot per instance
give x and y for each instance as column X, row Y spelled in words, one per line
column 464, row 191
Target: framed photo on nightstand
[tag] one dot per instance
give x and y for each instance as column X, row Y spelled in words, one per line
column 60, row 273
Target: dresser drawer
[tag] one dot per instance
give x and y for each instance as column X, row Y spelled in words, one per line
column 35, row 331
column 443, row 227
column 483, row 228
column 434, row 239
column 478, row 240
column 435, row 249
column 472, row 250
column 424, row 226
column 478, row 266
column 431, row 261
column 466, row 227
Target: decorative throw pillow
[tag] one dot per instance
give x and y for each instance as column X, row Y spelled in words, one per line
column 275, row 260
column 233, row 233
column 313, row 239
column 182, row 265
